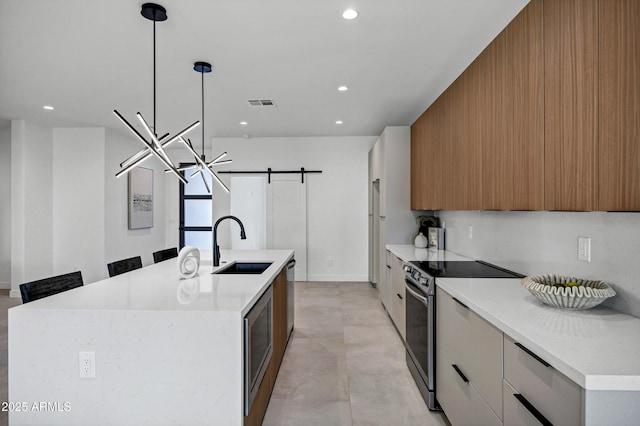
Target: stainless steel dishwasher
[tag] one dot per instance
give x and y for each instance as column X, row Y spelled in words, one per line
column 291, row 306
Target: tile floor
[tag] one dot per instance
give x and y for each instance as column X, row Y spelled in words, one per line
column 345, row 364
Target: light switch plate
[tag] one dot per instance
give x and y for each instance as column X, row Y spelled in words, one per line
column 584, row 249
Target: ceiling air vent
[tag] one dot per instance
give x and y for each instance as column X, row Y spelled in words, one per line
column 261, row 103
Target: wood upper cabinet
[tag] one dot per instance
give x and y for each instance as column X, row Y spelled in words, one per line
column 619, row 101
column 440, row 146
column 512, row 115
column 546, row 118
column 430, row 142
column 524, row 97
column 419, row 161
column 491, row 125
column 571, row 109
column 465, row 179
column 482, row 140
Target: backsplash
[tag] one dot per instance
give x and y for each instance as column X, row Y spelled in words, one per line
column 547, row 242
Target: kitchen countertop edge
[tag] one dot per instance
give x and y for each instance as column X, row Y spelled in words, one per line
column 160, row 288
column 609, row 364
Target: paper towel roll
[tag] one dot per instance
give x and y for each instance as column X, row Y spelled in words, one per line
column 188, row 262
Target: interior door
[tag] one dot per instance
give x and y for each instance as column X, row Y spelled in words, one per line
column 287, row 218
column 249, row 203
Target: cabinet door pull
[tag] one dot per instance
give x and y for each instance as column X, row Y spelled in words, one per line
column 460, row 303
column 399, row 296
column 537, row 414
column 534, row 356
column 460, row 373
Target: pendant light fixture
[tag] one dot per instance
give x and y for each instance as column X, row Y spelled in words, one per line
column 201, row 162
column 155, row 145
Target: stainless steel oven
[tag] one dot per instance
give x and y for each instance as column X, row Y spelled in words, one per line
column 420, row 283
column 258, row 346
column 420, row 333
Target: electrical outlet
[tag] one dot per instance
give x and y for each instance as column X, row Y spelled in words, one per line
column 470, row 232
column 87, row 364
column 584, row 249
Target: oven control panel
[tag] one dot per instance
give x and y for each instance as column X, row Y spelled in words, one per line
column 419, row 278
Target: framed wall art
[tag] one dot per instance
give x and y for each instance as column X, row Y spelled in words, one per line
column 140, row 198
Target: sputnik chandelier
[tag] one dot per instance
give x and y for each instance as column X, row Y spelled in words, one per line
column 156, row 145
column 201, row 162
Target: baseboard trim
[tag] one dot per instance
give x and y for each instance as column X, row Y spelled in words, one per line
column 343, row 278
column 5, row 285
column 15, row 293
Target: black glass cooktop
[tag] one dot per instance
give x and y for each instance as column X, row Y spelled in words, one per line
column 464, row 269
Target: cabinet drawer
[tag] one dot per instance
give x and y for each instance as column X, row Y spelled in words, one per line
column 471, row 343
column 398, row 313
column 515, row 412
column 398, row 275
column 555, row 396
column 460, row 400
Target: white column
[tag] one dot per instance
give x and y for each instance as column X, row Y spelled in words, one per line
column 5, row 207
column 31, row 203
column 79, row 202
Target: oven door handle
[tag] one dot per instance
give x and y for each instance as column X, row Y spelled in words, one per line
column 415, row 294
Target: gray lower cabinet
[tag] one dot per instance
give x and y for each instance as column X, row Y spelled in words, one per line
column 484, row 377
column 398, row 307
column 384, row 285
column 468, row 364
column 534, row 392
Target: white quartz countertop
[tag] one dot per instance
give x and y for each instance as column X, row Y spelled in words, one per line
column 159, row 287
column 599, row 348
column 409, row 253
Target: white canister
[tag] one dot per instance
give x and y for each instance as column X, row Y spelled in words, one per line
column 421, row 241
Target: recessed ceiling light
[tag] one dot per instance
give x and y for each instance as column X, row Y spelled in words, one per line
column 343, row 88
column 48, row 107
column 243, row 123
column 350, row 14
column 339, row 122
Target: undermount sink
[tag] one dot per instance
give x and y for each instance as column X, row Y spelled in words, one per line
column 244, row 268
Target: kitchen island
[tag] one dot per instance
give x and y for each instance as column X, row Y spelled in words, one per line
column 167, row 350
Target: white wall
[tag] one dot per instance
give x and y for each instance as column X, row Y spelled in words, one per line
column 31, row 203
column 547, row 242
column 120, row 241
column 337, row 198
column 58, row 194
column 5, row 207
column 68, row 210
column 79, row 202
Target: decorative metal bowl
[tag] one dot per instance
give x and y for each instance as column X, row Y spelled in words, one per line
column 550, row 289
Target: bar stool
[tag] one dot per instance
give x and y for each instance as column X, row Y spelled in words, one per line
column 165, row 254
column 35, row 290
column 125, row 265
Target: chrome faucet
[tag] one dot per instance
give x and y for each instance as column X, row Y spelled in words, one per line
column 216, row 248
